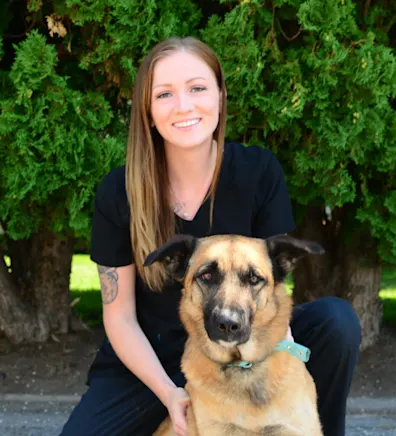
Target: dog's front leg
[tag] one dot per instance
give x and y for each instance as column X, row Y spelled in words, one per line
column 166, row 428
column 191, row 423
column 280, row 430
column 285, row 430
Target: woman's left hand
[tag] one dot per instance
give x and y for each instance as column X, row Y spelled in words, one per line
column 289, row 336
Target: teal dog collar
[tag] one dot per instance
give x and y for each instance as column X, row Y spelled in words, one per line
column 242, row 364
column 296, row 350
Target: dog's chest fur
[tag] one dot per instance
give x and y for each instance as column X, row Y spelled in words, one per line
column 237, row 401
column 257, row 393
column 240, row 393
column 241, row 419
column 246, row 386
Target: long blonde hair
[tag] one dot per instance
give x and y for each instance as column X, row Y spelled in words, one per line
column 147, row 185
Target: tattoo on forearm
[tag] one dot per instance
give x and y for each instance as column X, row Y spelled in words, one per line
column 108, row 283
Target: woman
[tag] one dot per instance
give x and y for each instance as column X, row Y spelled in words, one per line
column 181, row 177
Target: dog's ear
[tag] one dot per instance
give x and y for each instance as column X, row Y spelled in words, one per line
column 285, row 252
column 175, row 255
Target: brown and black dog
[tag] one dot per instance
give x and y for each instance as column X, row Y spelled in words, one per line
column 235, row 309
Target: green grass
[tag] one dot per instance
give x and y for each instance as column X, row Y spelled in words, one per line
column 388, row 295
column 85, row 286
column 85, row 289
column 84, row 274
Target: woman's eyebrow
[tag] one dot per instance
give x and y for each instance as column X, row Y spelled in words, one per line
column 169, row 84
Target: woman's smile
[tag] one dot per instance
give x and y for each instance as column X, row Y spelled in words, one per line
column 187, row 124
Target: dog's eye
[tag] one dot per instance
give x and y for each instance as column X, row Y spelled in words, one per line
column 254, row 279
column 206, row 277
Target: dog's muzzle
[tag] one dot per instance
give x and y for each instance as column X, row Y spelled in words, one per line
column 227, row 326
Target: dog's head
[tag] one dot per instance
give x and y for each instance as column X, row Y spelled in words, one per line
column 234, row 304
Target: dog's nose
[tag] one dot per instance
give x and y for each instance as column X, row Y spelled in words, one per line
column 227, row 325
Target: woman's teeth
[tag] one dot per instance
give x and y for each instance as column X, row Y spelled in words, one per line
column 187, row 123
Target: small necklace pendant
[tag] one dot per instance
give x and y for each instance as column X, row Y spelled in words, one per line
column 178, row 208
column 185, row 214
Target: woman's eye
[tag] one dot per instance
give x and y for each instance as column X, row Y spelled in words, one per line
column 164, row 95
column 198, row 89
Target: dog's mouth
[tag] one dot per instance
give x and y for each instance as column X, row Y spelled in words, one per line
column 229, row 345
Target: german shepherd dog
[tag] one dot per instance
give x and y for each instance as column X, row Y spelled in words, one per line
column 236, row 311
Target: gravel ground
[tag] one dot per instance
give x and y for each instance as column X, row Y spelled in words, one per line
column 34, row 418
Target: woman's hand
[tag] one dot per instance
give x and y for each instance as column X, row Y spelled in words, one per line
column 177, row 403
column 289, row 336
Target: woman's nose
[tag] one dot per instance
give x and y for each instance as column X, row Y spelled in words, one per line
column 184, row 103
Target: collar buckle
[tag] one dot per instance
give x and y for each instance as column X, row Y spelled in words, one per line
column 242, row 364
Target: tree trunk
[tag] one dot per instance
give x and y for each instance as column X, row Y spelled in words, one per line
column 350, row 269
column 34, row 295
column 16, row 318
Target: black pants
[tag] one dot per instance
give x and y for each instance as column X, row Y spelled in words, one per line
column 329, row 327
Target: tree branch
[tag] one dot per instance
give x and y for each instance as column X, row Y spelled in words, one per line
column 289, row 38
column 366, row 8
column 20, row 35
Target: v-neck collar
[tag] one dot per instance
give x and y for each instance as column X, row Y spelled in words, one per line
column 205, row 204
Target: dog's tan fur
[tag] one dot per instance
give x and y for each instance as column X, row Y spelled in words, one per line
column 277, row 396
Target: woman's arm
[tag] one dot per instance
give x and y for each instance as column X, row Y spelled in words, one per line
column 131, row 344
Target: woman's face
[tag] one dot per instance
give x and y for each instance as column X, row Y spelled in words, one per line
column 185, row 100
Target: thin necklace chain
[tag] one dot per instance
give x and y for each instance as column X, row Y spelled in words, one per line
column 179, row 205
